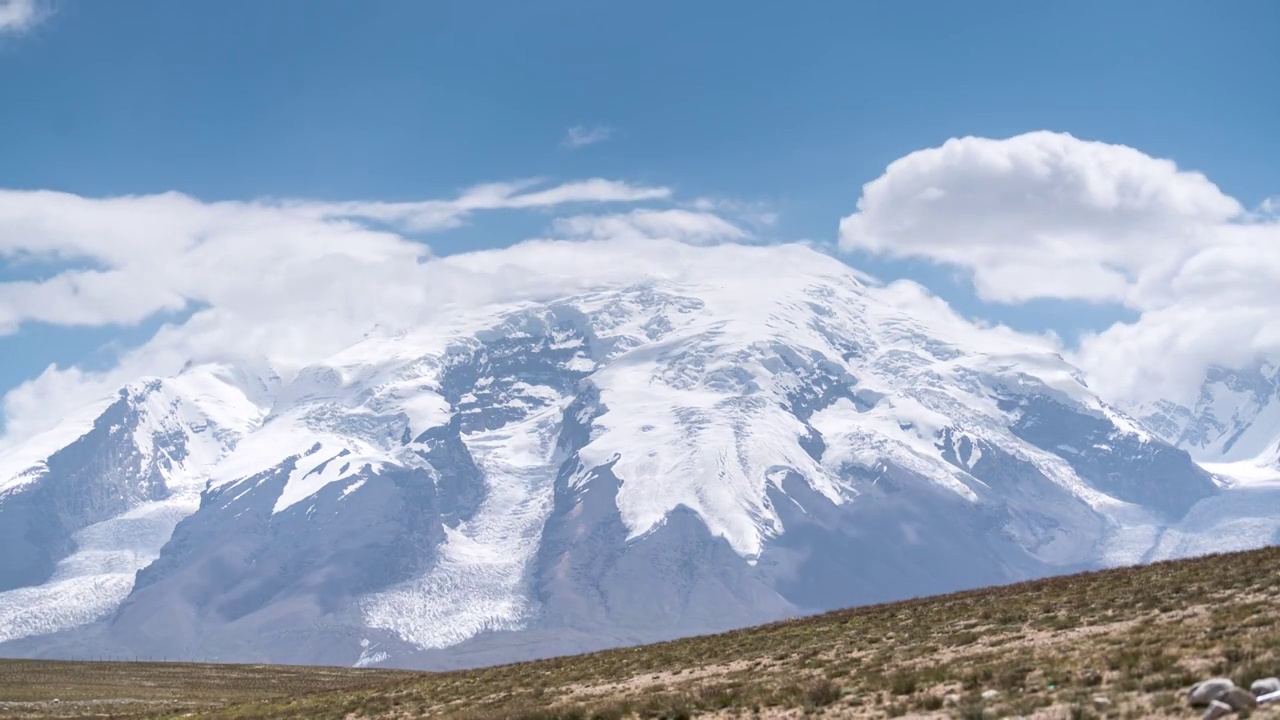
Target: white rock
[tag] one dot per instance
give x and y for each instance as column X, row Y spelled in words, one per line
column 990, row 694
column 1203, row 693
column 1239, row 699
column 1264, row 686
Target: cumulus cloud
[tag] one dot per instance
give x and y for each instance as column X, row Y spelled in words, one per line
column 19, row 15
column 1217, row 306
column 1038, row 215
column 1047, row 215
column 582, row 136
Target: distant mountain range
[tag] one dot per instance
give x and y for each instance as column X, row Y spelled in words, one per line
column 1236, row 417
column 757, row 435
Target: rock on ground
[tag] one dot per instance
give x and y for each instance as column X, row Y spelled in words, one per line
column 1239, row 699
column 1205, row 692
column 1264, row 686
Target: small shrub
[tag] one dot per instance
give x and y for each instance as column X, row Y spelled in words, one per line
column 1080, row 712
column 903, row 683
column 822, row 693
column 610, row 712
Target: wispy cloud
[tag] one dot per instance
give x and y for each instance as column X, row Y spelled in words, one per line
column 694, row 228
column 756, row 214
column 431, row 215
column 582, row 136
column 19, row 15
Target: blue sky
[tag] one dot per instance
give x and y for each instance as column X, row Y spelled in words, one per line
column 794, row 107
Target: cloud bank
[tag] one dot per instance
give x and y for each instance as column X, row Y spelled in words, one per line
column 289, row 281
column 1047, row 215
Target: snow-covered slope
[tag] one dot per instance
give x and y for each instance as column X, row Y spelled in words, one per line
column 87, row 504
column 1235, row 418
column 704, row 438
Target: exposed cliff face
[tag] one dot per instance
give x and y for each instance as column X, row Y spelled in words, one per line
column 99, row 476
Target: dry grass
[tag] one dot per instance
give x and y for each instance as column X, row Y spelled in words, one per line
column 38, row 688
column 1136, row 637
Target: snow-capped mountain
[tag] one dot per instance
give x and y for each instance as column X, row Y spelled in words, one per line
column 1235, row 418
column 754, row 434
column 86, row 505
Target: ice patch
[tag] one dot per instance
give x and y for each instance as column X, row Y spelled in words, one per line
column 312, row 473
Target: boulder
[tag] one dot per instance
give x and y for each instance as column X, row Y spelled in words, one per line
column 1205, row 692
column 990, row 694
column 1265, row 685
column 1239, row 699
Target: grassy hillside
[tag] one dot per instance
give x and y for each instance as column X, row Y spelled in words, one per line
column 1119, row 643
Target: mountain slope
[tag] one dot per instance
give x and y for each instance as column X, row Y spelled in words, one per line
column 706, row 444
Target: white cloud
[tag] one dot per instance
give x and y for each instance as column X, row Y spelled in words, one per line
column 1037, row 215
column 582, row 136
column 1219, row 305
column 756, row 214
column 698, row 228
column 19, row 15
column 431, row 215
column 167, row 252
column 1046, row 215
column 292, row 281
column 311, row 309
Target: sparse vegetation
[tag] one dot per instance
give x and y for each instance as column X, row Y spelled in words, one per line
column 1117, row 644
